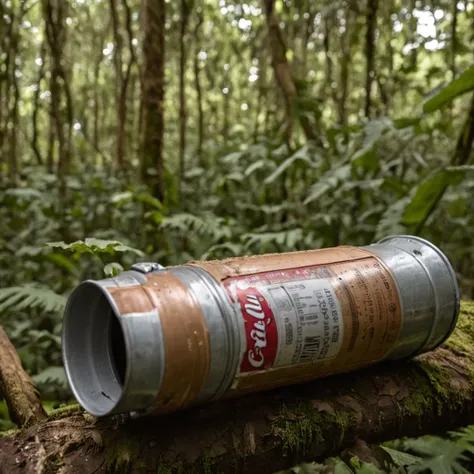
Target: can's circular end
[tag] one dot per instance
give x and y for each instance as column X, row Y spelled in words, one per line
column 103, row 353
column 442, row 279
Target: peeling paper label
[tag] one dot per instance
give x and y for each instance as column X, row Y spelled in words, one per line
column 287, row 323
column 345, row 313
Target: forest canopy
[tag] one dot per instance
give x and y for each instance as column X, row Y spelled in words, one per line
column 153, row 130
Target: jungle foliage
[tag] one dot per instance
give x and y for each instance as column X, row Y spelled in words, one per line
column 164, row 131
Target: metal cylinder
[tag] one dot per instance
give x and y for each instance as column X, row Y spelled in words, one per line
column 155, row 340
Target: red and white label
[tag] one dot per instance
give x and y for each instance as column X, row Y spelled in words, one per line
column 290, row 317
column 261, row 331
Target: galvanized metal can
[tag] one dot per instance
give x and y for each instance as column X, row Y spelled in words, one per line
column 156, row 340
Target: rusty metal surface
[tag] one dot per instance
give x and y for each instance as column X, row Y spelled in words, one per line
column 205, row 330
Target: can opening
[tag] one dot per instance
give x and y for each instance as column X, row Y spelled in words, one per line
column 118, row 354
column 94, row 349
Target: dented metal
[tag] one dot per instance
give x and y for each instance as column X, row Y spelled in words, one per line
column 156, row 340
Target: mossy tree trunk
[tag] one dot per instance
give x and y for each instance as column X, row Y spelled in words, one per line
column 264, row 432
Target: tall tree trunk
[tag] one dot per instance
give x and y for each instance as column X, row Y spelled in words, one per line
column 410, row 36
column 122, row 78
column 152, row 169
column 8, row 135
column 329, row 64
column 197, row 84
column 13, row 154
column 4, row 45
column 371, row 19
column 263, row 432
column 262, row 89
column 51, row 134
column 226, row 108
column 454, row 41
column 347, row 40
column 118, row 47
column 36, row 106
column 55, row 14
column 182, row 98
column 283, row 71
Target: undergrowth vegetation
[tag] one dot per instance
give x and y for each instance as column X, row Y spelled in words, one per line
column 362, row 183
column 339, row 145
column 452, row 454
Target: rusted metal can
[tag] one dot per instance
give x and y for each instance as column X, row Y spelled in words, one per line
column 155, row 340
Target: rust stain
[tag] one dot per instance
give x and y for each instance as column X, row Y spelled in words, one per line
column 186, row 341
column 369, row 301
column 185, row 336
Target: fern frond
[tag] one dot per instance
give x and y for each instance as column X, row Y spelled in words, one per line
column 18, row 298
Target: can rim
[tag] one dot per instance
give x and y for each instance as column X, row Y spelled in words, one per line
column 457, row 303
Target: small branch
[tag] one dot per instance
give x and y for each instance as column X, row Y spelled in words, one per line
column 24, row 404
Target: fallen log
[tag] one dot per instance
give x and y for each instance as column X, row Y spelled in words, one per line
column 20, row 394
column 263, row 432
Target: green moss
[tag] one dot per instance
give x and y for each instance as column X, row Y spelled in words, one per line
column 63, row 412
column 207, row 463
column 121, row 452
column 176, row 468
column 439, row 378
column 431, row 393
column 467, row 308
column 302, row 425
column 13, row 432
column 417, row 404
column 461, row 340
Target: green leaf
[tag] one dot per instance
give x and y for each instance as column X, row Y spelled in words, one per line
column 127, row 196
column 24, row 193
column 61, row 261
column 461, row 85
column 95, row 246
column 113, row 269
column 328, row 182
column 464, row 437
column 441, row 456
column 399, row 458
column 256, row 165
column 430, row 191
column 150, row 200
column 54, row 374
column 121, row 198
column 287, row 239
column 368, row 468
column 404, row 122
column 366, row 157
column 18, row 298
column 301, row 155
column 391, row 221
column 339, row 466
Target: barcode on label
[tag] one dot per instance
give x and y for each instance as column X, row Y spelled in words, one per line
column 311, row 348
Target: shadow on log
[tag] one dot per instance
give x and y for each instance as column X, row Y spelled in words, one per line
column 264, row 432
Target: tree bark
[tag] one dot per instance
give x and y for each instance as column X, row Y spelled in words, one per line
column 121, row 111
column 371, row 17
column 283, row 71
column 197, row 83
column 454, row 45
column 152, row 170
column 22, row 399
column 55, row 14
column 185, row 8
column 122, row 78
column 36, row 106
column 264, row 432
